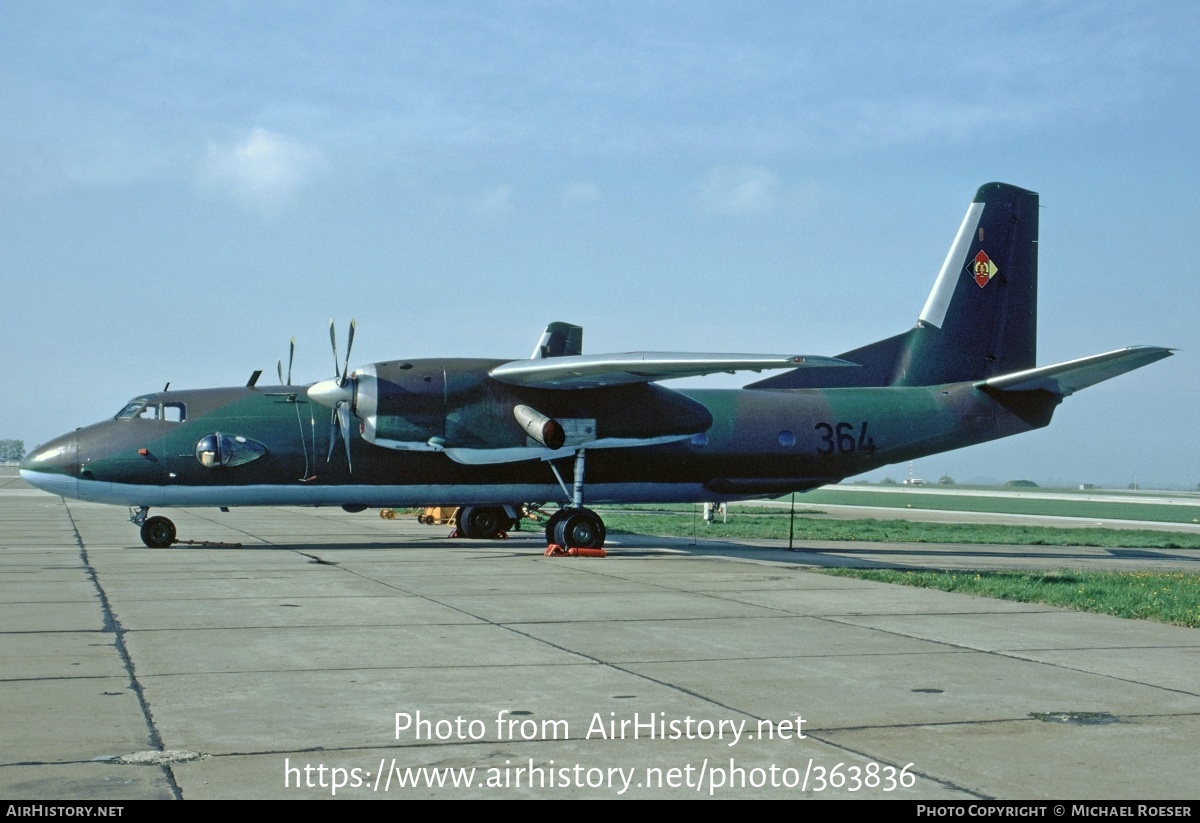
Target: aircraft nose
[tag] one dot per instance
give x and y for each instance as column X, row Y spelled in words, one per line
column 53, row 467
column 59, row 456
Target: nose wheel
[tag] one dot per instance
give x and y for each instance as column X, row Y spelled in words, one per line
column 157, row 532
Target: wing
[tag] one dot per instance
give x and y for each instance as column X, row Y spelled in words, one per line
column 590, row 371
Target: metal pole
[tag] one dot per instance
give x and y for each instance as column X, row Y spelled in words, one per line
column 792, row 522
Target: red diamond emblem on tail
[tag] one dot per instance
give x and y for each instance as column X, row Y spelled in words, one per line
column 982, row 269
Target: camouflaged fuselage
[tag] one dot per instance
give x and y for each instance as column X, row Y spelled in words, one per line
column 730, row 444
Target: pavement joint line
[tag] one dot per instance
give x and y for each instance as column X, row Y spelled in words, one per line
column 56, row 678
column 994, row 721
column 1013, row 654
column 485, row 666
column 111, row 623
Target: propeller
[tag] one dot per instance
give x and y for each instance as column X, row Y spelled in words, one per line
column 349, row 345
column 279, row 365
column 338, row 394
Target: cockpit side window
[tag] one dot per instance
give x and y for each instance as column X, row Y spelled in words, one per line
column 143, row 408
column 131, row 410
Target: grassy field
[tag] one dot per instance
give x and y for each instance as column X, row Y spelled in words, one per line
column 1182, row 512
column 772, row 523
column 1168, row 597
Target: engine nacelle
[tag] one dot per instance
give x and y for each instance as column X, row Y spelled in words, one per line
column 455, row 407
column 543, row 429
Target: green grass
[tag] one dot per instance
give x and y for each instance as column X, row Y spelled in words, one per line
column 1168, row 597
column 773, row 524
column 1183, row 512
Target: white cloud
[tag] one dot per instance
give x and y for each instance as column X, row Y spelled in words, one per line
column 739, row 190
column 265, row 168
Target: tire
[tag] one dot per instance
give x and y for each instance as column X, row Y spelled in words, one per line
column 158, row 532
column 482, row 522
column 552, row 526
column 581, row 529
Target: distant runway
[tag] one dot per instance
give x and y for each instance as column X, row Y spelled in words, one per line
column 840, row 512
column 336, row 650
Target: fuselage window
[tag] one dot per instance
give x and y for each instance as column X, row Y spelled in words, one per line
column 148, row 413
column 787, row 439
column 174, row 412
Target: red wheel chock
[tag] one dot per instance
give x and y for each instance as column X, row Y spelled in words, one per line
column 555, row 550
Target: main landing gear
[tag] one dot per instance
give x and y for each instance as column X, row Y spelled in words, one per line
column 485, row 522
column 157, row 532
column 575, row 527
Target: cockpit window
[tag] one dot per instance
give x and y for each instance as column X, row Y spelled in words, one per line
column 144, row 409
column 132, row 410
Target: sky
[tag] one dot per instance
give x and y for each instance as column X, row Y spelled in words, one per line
column 185, row 187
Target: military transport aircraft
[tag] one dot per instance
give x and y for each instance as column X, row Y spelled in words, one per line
column 493, row 435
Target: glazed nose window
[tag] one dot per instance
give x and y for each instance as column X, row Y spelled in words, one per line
column 216, row 451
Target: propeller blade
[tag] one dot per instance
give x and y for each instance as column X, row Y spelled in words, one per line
column 339, row 421
column 279, row 368
column 333, row 342
column 344, row 419
column 349, row 346
column 333, row 430
column 291, row 357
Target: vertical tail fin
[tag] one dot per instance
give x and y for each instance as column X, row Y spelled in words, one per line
column 559, row 340
column 980, row 319
column 983, row 307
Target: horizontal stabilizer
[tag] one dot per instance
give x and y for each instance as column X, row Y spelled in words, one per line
column 590, row 371
column 1067, row 378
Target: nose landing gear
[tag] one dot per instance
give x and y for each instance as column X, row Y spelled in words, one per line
column 157, row 532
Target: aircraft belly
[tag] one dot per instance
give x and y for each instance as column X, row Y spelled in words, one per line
column 385, row 495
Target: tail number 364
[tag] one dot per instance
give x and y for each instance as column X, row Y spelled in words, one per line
column 845, row 438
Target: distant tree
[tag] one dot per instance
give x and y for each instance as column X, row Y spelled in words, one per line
column 887, row 481
column 945, row 480
column 12, row 449
column 1022, row 484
